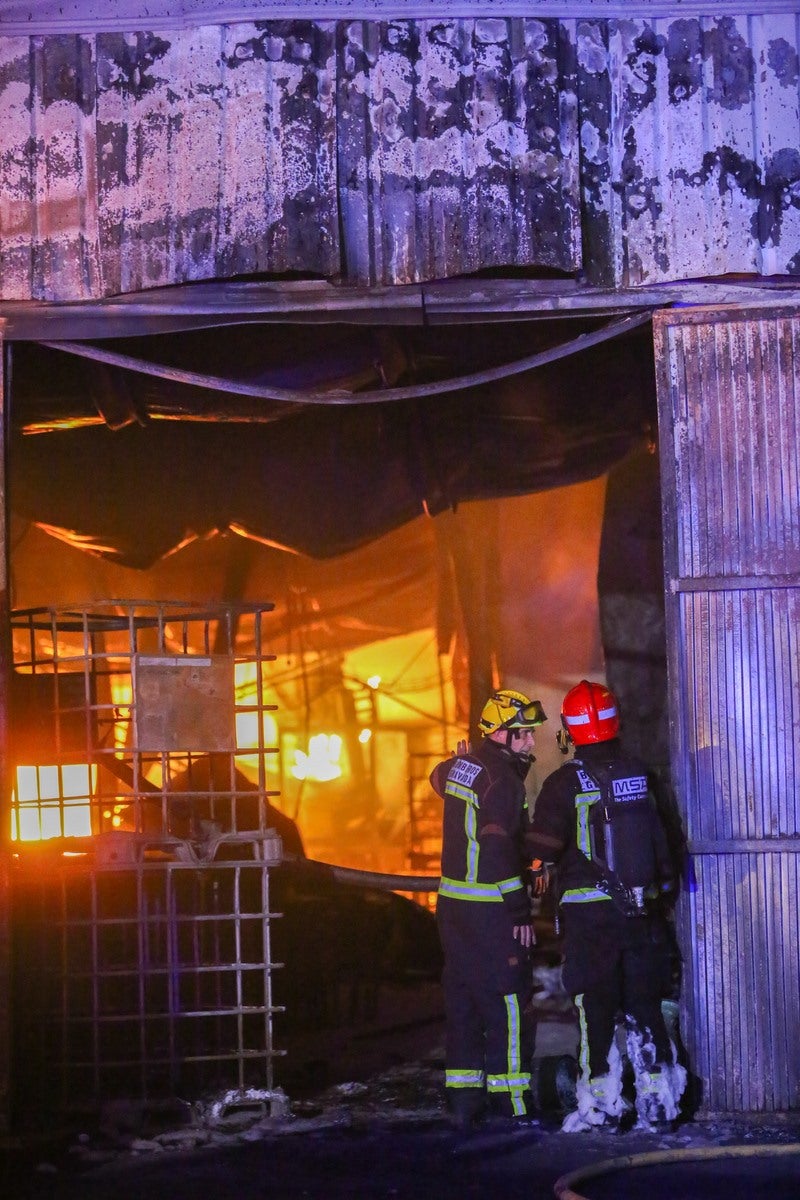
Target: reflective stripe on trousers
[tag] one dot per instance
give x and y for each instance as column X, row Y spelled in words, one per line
column 515, row 1081
column 464, row 1079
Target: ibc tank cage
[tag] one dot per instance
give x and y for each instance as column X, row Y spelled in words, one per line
column 142, row 747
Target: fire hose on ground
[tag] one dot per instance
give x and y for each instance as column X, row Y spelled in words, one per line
column 564, row 1188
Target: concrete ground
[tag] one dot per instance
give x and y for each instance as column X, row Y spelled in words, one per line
column 413, row 1155
column 385, row 1135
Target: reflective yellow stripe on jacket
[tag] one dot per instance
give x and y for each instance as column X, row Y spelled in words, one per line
column 486, row 893
column 460, row 792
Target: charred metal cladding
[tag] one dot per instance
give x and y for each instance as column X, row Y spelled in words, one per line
column 623, row 151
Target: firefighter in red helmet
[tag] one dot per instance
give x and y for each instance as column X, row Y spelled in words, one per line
column 483, row 913
column 596, row 819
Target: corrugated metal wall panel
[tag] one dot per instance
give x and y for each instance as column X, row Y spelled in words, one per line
column 741, row 677
column 738, row 458
column 729, row 417
column 216, row 154
column 141, row 160
column 704, row 139
column 630, row 151
column 744, row 1037
column 461, row 147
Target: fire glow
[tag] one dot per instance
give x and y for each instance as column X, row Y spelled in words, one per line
column 322, row 762
column 52, row 801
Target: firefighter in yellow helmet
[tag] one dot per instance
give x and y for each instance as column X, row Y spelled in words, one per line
column 483, row 914
column 596, row 818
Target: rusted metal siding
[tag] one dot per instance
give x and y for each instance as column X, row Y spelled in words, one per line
column 458, row 147
column 729, row 413
column 626, row 151
column 135, row 160
column 703, row 146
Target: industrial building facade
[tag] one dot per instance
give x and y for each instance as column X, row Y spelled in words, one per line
column 502, row 161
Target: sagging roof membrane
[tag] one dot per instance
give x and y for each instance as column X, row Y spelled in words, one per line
column 622, row 150
column 316, row 478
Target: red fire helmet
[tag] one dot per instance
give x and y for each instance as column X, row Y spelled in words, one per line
column 589, row 713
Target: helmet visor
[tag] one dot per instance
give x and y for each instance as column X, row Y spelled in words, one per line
column 526, row 717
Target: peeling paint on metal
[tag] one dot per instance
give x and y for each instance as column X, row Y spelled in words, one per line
column 627, row 150
column 478, row 166
column 711, row 151
column 783, row 62
column 140, row 160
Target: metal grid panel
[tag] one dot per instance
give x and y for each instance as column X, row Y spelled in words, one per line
column 77, row 666
column 142, row 960
column 143, row 983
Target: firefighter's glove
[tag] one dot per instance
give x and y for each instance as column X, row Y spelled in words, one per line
column 539, row 874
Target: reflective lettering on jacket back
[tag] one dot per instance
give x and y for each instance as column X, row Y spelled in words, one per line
column 463, row 772
column 459, row 785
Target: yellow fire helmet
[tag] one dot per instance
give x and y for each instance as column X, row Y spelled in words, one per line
column 510, row 710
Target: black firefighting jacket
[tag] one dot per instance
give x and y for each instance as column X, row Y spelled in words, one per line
column 569, row 822
column 483, row 825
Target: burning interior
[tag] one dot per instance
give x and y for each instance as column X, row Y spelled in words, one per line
column 183, row 764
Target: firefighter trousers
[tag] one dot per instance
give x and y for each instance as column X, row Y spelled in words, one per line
column 487, row 989
column 617, row 968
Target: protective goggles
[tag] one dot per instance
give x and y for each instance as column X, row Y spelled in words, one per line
column 526, row 716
